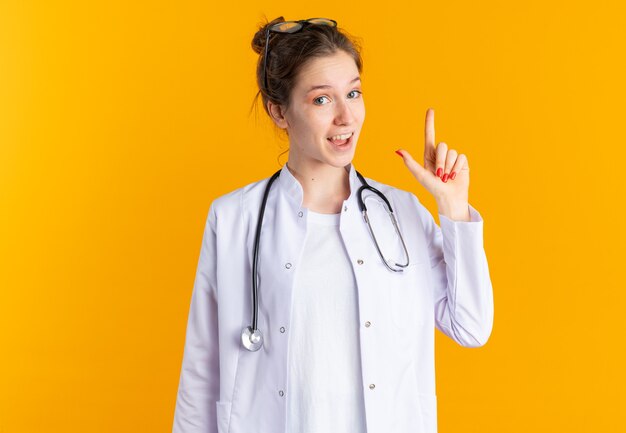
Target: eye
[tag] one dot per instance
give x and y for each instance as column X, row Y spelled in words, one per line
column 357, row 91
column 318, row 98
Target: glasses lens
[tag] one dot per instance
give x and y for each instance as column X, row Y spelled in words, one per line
column 286, row 27
column 322, row 22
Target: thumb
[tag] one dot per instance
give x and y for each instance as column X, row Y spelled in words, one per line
column 418, row 171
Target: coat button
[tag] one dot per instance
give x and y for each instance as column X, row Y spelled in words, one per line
column 281, row 393
column 300, row 214
column 360, row 262
column 367, row 324
column 282, row 329
column 345, row 208
column 288, row 265
column 372, row 386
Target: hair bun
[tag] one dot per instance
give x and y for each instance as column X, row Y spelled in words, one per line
column 258, row 41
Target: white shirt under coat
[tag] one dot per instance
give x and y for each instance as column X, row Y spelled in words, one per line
column 225, row 388
column 325, row 381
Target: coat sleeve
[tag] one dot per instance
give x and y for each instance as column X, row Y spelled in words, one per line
column 463, row 295
column 198, row 388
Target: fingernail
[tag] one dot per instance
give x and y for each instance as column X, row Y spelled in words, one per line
column 399, row 153
column 445, row 177
column 439, row 170
column 453, row 175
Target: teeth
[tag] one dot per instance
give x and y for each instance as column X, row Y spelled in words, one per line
column 340, row 137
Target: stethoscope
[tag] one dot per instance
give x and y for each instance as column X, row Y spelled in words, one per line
column 251, row 337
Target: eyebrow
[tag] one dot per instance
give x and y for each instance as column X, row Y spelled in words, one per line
column 326, row 86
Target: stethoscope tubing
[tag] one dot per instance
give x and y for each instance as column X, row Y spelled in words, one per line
column 251, row 337
column 255, row 259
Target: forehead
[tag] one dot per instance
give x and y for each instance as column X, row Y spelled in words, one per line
column 335, row 70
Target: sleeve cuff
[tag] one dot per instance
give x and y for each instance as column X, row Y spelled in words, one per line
column 475, row 217
column 461, row 237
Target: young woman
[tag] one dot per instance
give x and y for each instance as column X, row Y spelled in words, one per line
column 318, row 290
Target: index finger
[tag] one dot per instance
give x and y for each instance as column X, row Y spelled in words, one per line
column 429, row 132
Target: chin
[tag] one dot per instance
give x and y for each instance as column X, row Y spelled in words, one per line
column 341, row 161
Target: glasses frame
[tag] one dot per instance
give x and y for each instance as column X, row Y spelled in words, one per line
column 300, row 24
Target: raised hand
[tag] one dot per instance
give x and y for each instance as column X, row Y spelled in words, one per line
column 445, row 173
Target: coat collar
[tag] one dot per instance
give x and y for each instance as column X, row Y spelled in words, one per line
column 293, row 189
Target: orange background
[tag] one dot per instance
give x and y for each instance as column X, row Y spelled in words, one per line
column 120, row 122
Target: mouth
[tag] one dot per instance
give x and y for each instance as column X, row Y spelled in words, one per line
column 344, row 144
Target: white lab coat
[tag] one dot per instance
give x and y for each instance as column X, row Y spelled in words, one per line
column 225, row 388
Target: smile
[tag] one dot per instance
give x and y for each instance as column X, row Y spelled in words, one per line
column 341, row 137
column 342, row 143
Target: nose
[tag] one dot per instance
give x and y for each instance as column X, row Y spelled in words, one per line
column 344, row 115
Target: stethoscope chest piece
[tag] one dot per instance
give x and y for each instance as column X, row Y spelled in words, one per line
column 251, row 340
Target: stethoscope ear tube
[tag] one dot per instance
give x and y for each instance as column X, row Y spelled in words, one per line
column 367, row 186
column 400, row 266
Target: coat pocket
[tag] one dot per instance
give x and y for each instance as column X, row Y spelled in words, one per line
column 409, row 296
column 223, row 415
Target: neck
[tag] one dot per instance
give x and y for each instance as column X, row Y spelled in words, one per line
column 324, row 187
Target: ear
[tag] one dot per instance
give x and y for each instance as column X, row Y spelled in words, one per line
column 277, row 114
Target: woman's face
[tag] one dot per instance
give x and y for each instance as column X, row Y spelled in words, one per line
column 326, row 101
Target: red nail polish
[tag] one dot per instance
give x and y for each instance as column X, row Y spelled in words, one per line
column 399, row 153
column 445, row 177
column 439, row 170
column 453, row 175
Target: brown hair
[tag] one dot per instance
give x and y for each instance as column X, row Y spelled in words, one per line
column 289, row 53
